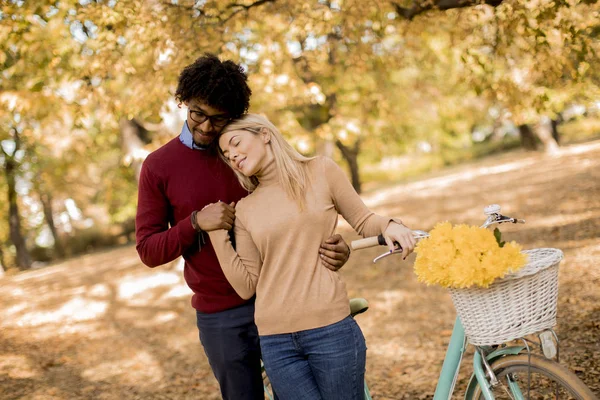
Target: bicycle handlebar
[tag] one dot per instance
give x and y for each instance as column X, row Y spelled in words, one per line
column 492, row 211
column 368, row 242
column 379, row 240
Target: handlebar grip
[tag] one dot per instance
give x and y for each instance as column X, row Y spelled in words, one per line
column 368, row 242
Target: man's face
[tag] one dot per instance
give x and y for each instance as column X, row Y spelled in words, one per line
column 204, row 132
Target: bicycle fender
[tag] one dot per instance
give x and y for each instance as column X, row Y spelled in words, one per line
column 512, row 350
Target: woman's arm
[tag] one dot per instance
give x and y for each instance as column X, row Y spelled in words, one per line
column 349, row 204
column 241, row 268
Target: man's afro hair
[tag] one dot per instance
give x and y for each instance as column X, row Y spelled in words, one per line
column 220, row 84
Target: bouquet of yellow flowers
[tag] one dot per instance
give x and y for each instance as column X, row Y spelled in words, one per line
column 462, row 256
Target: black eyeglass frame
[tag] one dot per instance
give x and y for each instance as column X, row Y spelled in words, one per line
column 200, row 118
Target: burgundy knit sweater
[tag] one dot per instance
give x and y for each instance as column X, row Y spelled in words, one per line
column 176, row 180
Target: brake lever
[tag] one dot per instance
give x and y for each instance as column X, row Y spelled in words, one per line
column 387, row 253
column 417, row 234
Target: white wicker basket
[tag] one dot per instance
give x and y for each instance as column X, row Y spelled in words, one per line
column 515, row 306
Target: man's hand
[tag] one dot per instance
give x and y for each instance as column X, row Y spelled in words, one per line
column 216, row 216
column 334, row 252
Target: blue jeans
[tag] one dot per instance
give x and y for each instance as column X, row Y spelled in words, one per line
column 230, row 341
column 325, row 363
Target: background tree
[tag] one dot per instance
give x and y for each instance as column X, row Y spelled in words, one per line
column 87, row 92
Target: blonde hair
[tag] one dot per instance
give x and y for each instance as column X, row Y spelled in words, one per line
column 288, row 162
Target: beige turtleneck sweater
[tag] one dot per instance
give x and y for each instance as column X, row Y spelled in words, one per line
column 278, row 248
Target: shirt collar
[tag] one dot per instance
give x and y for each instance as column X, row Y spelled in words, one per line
column 186, row 138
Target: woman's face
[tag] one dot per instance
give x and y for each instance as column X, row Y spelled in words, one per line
column 247, row 152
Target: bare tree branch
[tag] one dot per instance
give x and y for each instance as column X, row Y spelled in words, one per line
column 180, row 6
column 249, row 6
column 420, row 6
column 220, row 20
column 243, row 7
column 301, row 64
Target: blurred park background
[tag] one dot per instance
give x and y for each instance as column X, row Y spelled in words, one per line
column 389, row 89
column 435, row 108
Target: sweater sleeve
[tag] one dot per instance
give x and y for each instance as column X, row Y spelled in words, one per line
column 241, row 268
column 156, row 243
column 349, row 204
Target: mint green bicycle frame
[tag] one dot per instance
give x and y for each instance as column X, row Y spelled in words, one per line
column 451, row 366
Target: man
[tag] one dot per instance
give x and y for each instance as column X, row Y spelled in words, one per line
column 185, row 190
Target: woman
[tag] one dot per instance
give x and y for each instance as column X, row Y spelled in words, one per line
column 311, row 347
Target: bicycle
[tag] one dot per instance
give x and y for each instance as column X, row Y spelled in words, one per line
column 502, row 370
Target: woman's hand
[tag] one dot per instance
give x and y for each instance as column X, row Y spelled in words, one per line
column 399, row 233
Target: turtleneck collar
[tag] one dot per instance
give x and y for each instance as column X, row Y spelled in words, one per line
column 268, row 174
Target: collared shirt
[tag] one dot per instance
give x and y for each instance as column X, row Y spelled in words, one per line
column 186, row 138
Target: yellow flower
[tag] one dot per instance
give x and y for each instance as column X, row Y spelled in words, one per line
column 464, row 256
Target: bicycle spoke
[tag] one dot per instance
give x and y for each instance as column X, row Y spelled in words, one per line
column 535, row 378
column 506, row 389
column 539, row 387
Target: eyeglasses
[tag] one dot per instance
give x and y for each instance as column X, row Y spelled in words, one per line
column 217, row 121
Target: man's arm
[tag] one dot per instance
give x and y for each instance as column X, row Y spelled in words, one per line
column 158, row 244
column 334, row 252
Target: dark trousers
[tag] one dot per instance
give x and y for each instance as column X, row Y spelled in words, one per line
column 230, row 341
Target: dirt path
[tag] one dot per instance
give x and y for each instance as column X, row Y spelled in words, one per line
column 103, row 326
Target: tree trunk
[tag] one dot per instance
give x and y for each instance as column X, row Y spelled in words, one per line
column 2, row 262
column 350, row 154
column 527, row 137
column 554, row 124
column 14, row 221
column 132, row 144
column 543, row 130
column 46, row 200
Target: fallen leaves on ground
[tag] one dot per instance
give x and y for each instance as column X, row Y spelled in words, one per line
column 103, row 326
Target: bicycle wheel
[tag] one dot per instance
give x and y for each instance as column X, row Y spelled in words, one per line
column 544, row 378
